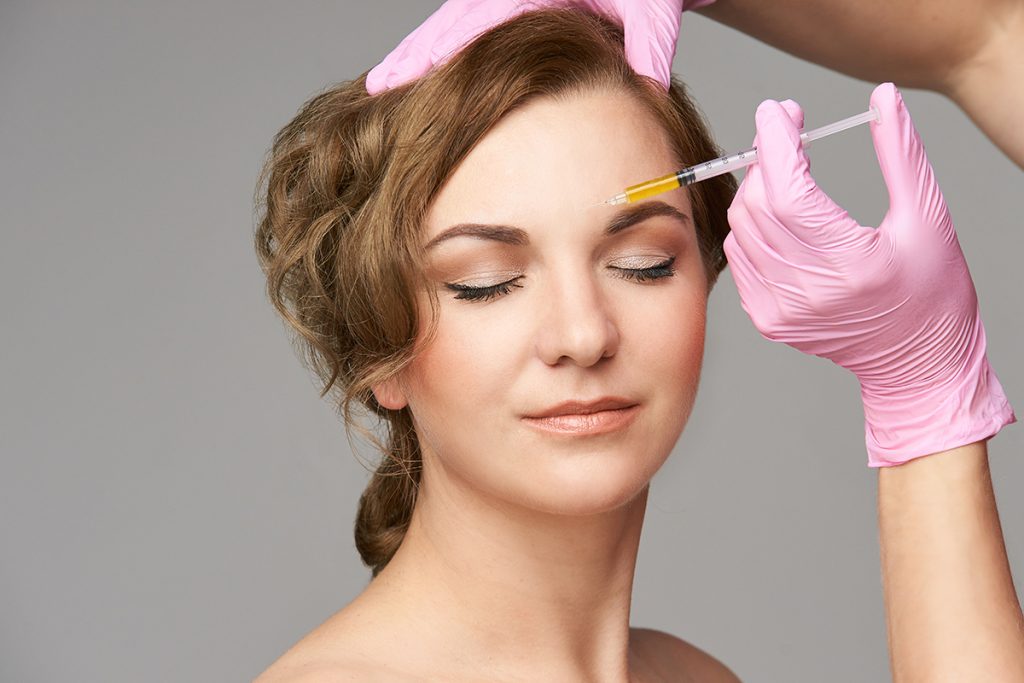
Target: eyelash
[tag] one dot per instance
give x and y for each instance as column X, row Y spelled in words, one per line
column 489, row 292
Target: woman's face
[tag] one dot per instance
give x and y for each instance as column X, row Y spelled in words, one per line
column 551, row 306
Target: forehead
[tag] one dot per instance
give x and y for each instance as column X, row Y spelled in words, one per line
column 554, row 159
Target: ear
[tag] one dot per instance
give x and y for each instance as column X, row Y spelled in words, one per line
column 390, row 395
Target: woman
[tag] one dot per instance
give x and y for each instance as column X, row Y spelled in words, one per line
column 534, row 355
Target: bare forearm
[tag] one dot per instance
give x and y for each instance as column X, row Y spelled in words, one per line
column 951, row 608
column 966, row 50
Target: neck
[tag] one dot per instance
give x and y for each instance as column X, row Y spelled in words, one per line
column 492, row 582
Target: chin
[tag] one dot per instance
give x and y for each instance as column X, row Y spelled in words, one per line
column 590, row 484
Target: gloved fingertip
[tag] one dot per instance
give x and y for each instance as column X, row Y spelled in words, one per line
column 374, row 81
column 407, row 67
column 888, row 102
column 396, row 79
column 765, row 106
column 767, row 111
column 795, row 112
column 400, row 66
column 782, row 165
column 885, row 92
column 773, row 121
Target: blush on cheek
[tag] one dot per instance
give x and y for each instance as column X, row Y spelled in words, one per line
column 681, row 320
column 683, row 346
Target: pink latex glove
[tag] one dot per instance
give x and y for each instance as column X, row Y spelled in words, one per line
column 895, row 305
column 651, row 28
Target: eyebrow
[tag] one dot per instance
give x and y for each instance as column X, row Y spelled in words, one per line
column 508, row 234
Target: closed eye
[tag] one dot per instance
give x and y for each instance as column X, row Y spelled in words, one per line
column 489, row 292
column 655, row 272
column 483, row 293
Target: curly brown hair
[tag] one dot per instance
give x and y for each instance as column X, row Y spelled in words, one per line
column 348, row 181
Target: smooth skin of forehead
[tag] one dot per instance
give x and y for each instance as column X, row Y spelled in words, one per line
column 547, row 167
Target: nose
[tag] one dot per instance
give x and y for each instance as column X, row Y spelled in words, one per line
column 577, row 325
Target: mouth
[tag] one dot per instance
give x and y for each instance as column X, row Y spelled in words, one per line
column 602, row 416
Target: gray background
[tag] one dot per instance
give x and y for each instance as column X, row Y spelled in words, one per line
column 176, row 501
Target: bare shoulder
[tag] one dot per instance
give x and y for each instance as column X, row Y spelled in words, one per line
column 316, row 673
column 329, row 671
column 298, row 666
column 337, row 651
column 669, row 655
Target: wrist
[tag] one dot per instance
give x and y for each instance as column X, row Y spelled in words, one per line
column 904, row 424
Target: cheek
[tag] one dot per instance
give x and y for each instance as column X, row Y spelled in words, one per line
column 670, row 331
column 668, row 364
column 469, row 362
column 689, row 355
column 685, row 331
column 458, row 392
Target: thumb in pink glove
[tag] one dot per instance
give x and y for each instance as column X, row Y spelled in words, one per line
column 894, row 305
column 651, row 28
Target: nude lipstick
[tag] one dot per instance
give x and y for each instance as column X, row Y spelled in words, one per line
column 585, row 418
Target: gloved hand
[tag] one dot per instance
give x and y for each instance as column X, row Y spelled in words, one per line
column 651, row 29
column 895, row 305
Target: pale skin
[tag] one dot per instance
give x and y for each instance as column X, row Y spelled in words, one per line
column 524, row 540
column 968, row 51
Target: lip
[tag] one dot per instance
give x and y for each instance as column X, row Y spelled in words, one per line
column 600, row 416
column 584, row 407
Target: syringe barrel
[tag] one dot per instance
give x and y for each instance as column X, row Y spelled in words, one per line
column 720, row 166
column 635, row 193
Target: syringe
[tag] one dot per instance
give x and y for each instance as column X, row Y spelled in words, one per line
column 728, row 163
